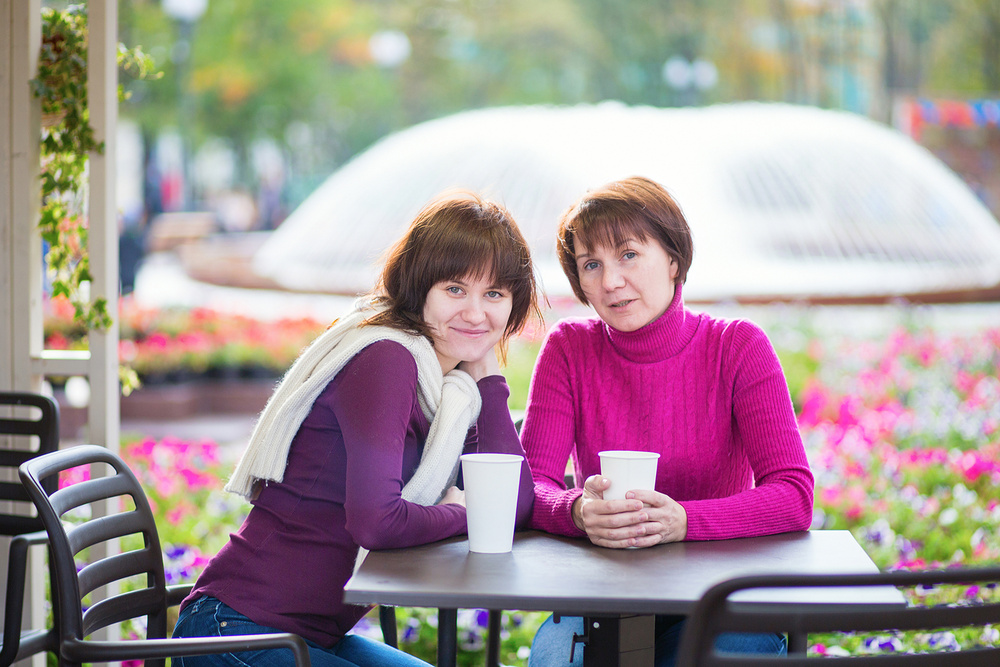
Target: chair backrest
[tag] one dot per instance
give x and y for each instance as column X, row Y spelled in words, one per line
column 715, row 612
column 29, row 426
column 78, row 529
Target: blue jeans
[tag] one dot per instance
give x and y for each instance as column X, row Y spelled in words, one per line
column 551, row 646
column 208, row 617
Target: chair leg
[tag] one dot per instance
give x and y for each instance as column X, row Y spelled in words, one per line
column 493, row 639
column 387, row 621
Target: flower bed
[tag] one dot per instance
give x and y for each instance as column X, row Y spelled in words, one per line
column 170, row 346
column 904, row 440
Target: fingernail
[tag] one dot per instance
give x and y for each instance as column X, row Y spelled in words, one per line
column 643, row 517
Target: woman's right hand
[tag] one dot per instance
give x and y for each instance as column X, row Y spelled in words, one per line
column 608, row 523
column 480, row 368
column 454, row 496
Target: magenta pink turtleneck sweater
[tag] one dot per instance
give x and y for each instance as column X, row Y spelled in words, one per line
column 709, row 395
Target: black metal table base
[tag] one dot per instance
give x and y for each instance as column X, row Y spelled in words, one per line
column 625, row 640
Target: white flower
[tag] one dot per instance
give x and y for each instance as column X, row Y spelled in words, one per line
column 990, row 635
column 948, row 516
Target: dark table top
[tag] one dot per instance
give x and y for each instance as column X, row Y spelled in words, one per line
column 571, row 576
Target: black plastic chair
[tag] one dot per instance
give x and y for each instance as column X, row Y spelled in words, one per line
column 75, row 521
column 29, row 426
column 715, row 613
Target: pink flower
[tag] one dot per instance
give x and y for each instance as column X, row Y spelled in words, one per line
column 973, row 467
column 74, row 476
column 177, row 514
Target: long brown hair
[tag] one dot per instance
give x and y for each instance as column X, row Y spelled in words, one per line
column 456, row 235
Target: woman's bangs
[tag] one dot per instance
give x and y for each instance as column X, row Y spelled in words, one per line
column 610, row 231
column 463, row 256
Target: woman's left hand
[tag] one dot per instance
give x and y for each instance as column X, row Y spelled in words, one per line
column 667, row 520
column 480, row 368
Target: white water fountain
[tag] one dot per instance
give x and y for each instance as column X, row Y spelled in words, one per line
column 785, row 202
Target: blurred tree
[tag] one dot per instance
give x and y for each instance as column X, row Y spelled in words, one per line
column 965, row 49
column 262, row 69
column 325, row 78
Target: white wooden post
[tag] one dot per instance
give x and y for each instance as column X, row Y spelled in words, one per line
column 25, row 324
column 102, row 95
column 103, row 416
column 21, row 278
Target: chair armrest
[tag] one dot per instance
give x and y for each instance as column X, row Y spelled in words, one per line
column 34, row 539
column 177, row 593
column 117, row 651
column 33, row 642
column 17, row 565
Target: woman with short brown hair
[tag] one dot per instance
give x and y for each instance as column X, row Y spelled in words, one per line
column 647, row 374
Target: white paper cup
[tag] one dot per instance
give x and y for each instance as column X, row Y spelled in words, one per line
column 491, row 485
column 628, row 471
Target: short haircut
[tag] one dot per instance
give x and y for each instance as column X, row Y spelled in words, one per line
column 457, row 235
column 634, row 207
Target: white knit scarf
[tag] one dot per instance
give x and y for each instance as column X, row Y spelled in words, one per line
column 451, row 403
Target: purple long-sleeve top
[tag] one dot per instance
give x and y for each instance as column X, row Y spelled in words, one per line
column 360, row 443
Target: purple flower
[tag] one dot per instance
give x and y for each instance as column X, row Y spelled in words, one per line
column 175, row 552
column 883, row 644
column 471, row 640
column 411, row 632
column 944, row 641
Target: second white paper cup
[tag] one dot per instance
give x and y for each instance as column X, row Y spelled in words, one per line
column 491, row 485
column 628, row 471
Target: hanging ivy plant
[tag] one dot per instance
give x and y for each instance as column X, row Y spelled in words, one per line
column 67, row 139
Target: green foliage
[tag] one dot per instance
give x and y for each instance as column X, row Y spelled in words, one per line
column 520, row 363
column 799, row 367
column 67, row 140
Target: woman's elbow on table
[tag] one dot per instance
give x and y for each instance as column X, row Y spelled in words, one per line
column 375, row 530
column 802, row 511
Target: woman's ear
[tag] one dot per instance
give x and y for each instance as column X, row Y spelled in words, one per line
column 674, row 270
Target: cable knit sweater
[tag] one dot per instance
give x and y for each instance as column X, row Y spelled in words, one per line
column 708, row 394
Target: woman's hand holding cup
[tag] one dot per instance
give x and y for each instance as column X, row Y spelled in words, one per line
column 608, row 523
column 643, row 519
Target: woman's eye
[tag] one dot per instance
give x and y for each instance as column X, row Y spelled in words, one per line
column 454, row 289
column 631, row 254
column 590, row 266
column 494, row 294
